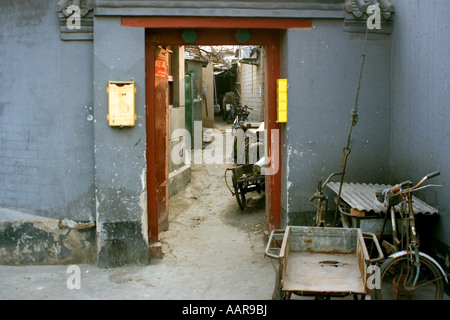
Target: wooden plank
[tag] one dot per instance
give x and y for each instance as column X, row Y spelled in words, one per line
column 363, row 258
column 284, row 253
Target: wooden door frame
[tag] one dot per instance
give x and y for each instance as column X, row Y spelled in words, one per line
column 212, row 31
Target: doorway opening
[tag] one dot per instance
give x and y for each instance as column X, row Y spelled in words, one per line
column 157, row 111
column 214, row 98
column 216, row 128
column 173, row 31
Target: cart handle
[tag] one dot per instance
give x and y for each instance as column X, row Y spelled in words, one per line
column 226, row 182
column 269, row 247
column 377, row 245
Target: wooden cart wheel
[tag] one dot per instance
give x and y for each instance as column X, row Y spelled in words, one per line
column 241, row 195
column 238, row 192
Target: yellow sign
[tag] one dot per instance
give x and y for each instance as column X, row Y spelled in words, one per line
column 282, row 87
column 121, row 103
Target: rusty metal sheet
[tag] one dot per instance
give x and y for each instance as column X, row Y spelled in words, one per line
column 323, row 260
column 323, row 273
column 361, row 196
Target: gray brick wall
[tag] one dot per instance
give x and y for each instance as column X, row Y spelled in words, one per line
column 46, row 140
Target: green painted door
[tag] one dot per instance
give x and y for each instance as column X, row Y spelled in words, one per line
column 189, row 104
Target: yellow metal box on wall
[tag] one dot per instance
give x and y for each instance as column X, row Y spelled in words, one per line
column 282, row 87
column 121, row 103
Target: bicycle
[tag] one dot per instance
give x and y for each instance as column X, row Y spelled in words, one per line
column 407, row 273
column 322, row 201
column 241, row 114
column 239, row 127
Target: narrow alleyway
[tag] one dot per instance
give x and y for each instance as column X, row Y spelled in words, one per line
column 212, row 250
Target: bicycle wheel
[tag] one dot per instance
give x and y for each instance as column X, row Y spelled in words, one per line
column 397, row 276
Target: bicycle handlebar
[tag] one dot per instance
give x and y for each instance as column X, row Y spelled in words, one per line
column 399, row 187
column 317, row 196
column 392, row 195
column 433, row 174
column 321, row 186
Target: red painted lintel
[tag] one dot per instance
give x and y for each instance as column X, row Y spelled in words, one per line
column 202, row 22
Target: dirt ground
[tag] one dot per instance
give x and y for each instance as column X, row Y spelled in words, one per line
column 212, row 250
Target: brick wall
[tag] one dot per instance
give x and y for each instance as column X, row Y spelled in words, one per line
column 24, row 169
column 46, row 124
column 251, row 77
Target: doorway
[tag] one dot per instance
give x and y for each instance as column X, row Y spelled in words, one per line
column 176, row 31
column 215, row 132
column 157, row 114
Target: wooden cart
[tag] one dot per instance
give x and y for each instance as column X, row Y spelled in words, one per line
column 321, row 262
column 244, row 181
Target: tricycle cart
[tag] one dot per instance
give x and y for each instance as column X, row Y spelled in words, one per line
column 244, row 180
column 320, row 261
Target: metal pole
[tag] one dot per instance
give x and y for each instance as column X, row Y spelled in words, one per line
column 354, row 120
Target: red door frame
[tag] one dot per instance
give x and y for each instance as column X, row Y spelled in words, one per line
column 210, row 31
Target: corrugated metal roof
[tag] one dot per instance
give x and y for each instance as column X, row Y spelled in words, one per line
column 362, row 197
